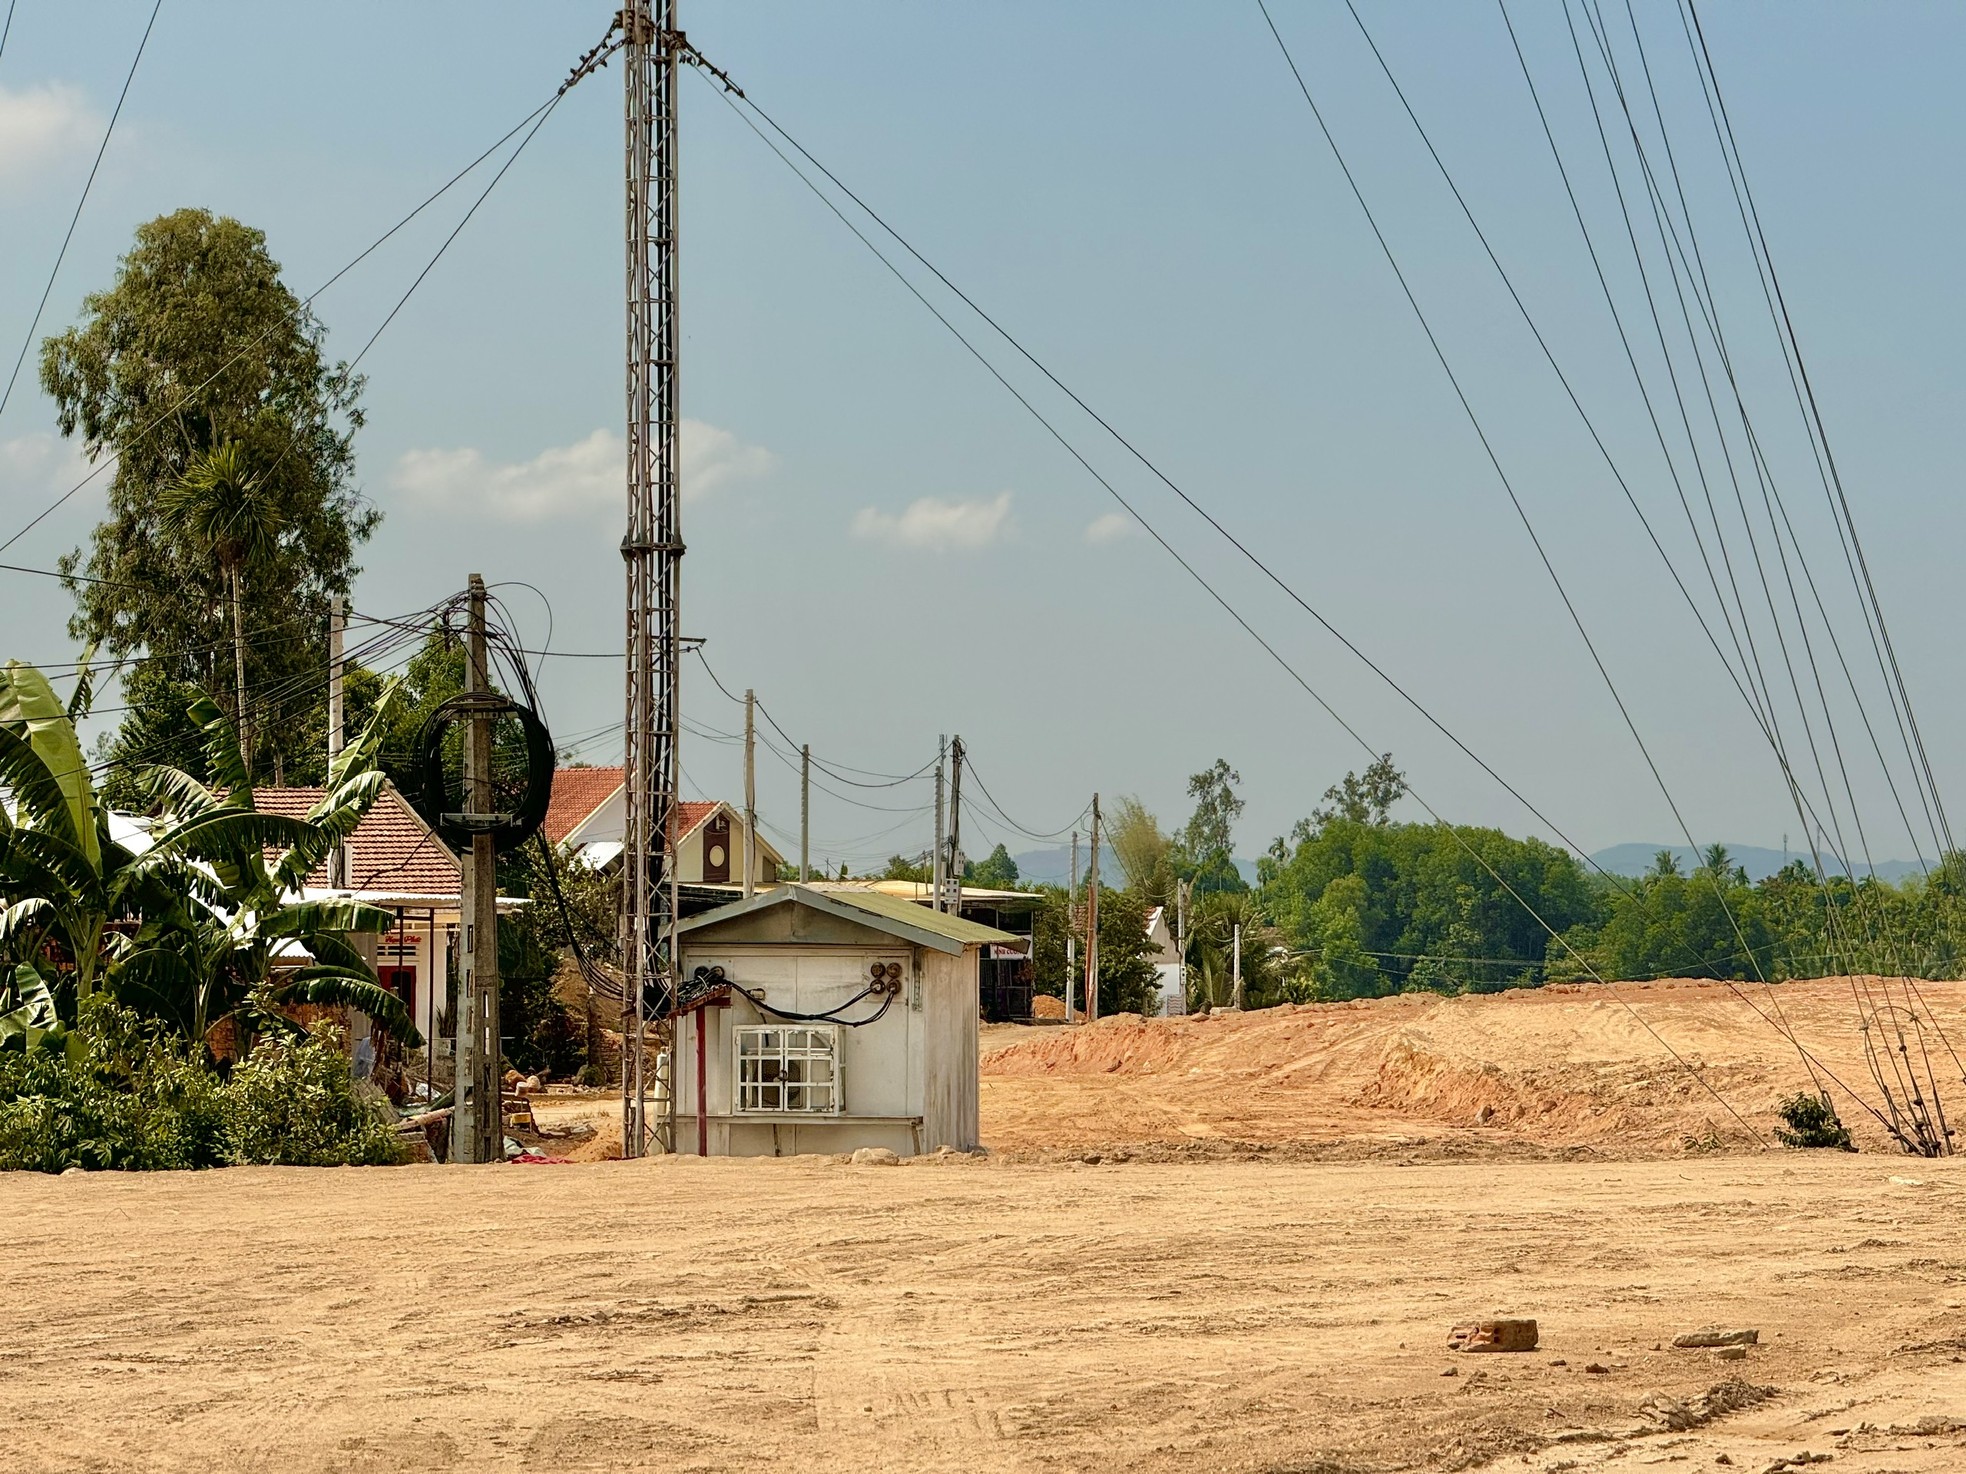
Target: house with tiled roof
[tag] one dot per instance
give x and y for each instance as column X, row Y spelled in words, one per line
column 396, row 861
column 587, row 818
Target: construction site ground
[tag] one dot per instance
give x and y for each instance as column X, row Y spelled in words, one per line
column 1167, row 1276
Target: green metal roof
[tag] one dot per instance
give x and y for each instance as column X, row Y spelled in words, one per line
column 885, row 913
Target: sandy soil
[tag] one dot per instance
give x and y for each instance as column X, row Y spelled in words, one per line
column 1559, row 1068
column 965, row 1314
column 1235, row 1243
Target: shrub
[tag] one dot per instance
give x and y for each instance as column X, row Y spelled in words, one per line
column 1811, row 1121
column 128, row 1095
column 294, row 1102
column 125, row 1096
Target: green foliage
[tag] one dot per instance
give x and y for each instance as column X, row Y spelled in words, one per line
column 199, row 914
column 1380, row 907
column 1268, row 973
column 998, row 872
column 434, row 675
column 1810, row 1120
column 129, row 1095
column 157, row 729
column 1209, row 838
column 1708, row 925
column 1150, row 859
column 1127, row 981
column 901, row 868
column 195, row 346
column 540, row 1032
column 293, row 1102
column 1367, row 800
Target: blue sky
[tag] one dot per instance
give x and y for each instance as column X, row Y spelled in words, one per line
column 886, row 546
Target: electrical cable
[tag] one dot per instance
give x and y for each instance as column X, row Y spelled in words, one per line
column 307, row 301
column 88, row 185
column 969, row 768
column 1481, row 434
column 1072, row 450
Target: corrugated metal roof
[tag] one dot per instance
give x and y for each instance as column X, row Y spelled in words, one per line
column 890, row 914
column 899, row 908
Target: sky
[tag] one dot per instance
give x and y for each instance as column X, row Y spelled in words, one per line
column 889, row 548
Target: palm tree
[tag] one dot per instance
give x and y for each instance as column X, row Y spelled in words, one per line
column 225, row 508
column 1717, row 859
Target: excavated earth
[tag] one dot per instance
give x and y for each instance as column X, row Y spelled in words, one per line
column 1631, row 1069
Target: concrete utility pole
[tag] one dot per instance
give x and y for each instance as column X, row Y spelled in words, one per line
column 477, row 1125
column 935, row 865
column 652, row 545
column 1181, row 936
column 1072, row 930
column 953, row 871
column 1092, row 923
column 1235, row 966
column 805, row 810
column 337, row 625
column 750, row 793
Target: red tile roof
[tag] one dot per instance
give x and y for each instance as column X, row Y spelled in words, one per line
column 577, row 792
column 391, row 849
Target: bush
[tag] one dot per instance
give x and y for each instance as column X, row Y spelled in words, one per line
column 127, row 1095
column 124, row 1096
column 1811, row 1121
column 294, row 1102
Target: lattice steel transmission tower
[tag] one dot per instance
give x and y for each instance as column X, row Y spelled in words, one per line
column 652, row 548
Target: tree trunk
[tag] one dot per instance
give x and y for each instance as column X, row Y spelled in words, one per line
column 239, row 676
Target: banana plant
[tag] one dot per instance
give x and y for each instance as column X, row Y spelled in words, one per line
column 187, row 929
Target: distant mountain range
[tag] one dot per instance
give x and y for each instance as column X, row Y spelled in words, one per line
column 1636, row 859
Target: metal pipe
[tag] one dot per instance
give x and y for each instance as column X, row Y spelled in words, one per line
column 702, row 1083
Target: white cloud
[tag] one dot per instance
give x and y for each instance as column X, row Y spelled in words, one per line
column 577, row 480
column 1110, row 528
column 937, row 525
column 42, row 465
column 42, row 126
column 714, row 458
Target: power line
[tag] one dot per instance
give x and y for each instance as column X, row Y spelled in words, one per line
column 307, row 301
column 1183, row 562
column 62, row 255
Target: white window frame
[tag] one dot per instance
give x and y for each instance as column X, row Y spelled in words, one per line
column 786, row 1046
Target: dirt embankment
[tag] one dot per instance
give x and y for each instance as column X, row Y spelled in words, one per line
column 1628, row 1069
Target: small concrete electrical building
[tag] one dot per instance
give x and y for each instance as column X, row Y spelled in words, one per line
column 827, row 1021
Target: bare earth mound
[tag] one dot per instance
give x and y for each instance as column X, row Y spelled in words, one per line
column 1567, row 1067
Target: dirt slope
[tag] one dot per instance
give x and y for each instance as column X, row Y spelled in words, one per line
column 1584, row 1066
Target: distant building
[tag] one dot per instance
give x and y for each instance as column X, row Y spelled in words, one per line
column 587, row 818
column 1166, row 959
column 397, row 862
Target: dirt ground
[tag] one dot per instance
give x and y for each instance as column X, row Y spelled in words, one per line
column 1234, row 1243
column 969, row 1314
